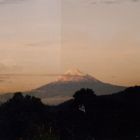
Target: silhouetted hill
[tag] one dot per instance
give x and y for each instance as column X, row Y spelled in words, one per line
column 109, row 117
column 22, row 117
column 85, row 117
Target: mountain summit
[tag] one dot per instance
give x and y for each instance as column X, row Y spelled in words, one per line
column 68, row 83
column 73, row 72
column 75, row 75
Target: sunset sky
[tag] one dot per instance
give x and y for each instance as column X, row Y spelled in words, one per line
column 40, row 39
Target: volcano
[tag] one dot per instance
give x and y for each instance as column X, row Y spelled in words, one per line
column 67, row 84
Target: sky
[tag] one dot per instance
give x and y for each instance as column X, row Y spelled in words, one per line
column 41, row 39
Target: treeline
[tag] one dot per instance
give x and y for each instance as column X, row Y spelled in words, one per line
column 85, row 117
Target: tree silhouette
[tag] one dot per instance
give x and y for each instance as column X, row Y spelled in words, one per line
column 83, row 97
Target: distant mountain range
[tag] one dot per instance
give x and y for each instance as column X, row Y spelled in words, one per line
column 67, row 84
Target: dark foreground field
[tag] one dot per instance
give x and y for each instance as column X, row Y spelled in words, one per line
column 85, row 117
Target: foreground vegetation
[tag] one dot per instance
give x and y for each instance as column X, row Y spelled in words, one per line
column 86, row 117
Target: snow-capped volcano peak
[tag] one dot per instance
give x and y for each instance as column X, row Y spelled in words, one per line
column 75, row 75
column 74, row 72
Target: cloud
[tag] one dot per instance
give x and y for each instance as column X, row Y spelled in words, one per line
column 9, row 1
column 87, row 1
column 110, row 1
column 38, row 44
column 8, row 65
column 2, row 80
column 28, row 74
column 44, row 44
